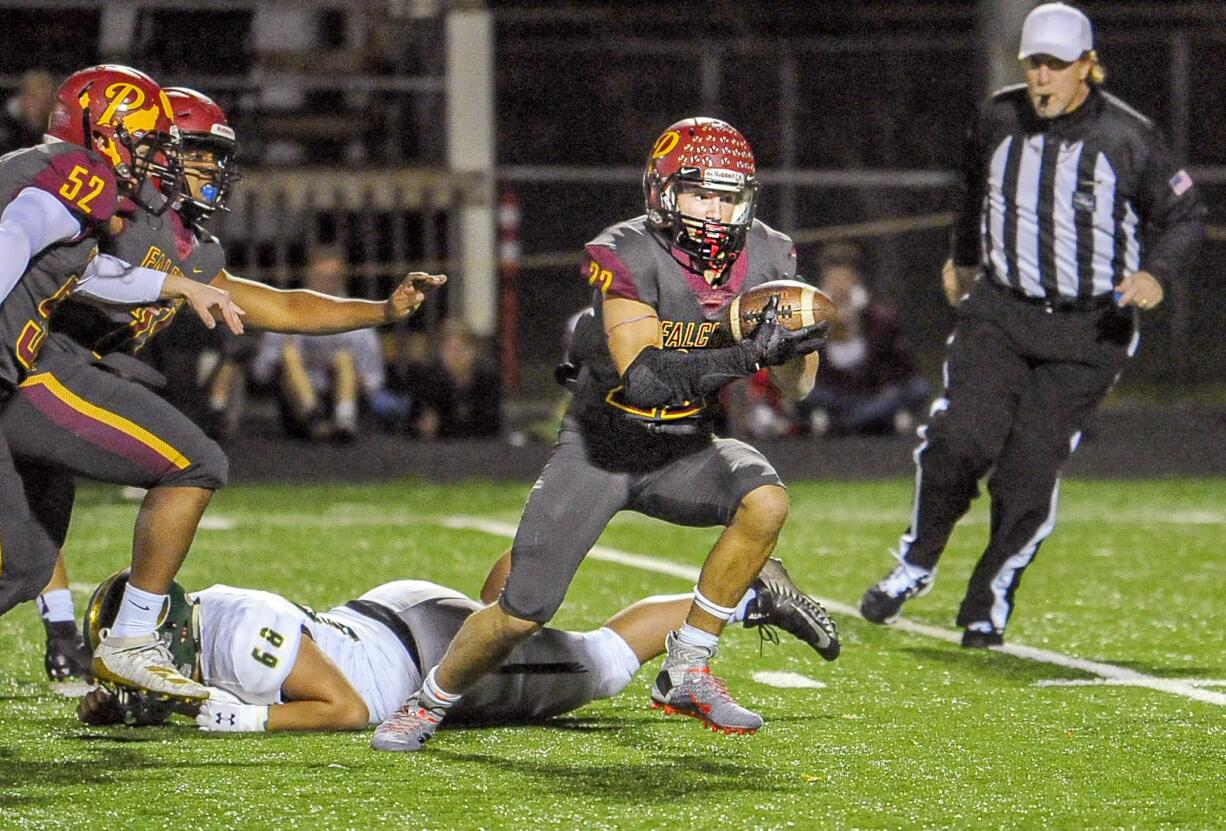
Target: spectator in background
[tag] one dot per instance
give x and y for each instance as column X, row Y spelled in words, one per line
column 24, row 119
column 459, row 395
column 225, row 385
column 322, row 378
column 868, row 381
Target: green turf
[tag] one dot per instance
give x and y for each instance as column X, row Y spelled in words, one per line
column 910, row 732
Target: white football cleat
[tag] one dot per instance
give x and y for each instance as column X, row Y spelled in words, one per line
column 144, row 663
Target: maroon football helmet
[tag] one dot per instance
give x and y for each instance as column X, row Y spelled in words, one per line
column 208, row 149
column 122, row 114
column 708, row 155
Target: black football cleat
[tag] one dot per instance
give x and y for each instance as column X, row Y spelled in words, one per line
column 883, row 601
column 982, row 639
column 66, row 655
column 779, row 602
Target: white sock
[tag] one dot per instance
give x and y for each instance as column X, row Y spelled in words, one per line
column 738, row 614
column 55, row 606
column 693, row 636
column 435, row 695
column 138, row 613
column 346, row 412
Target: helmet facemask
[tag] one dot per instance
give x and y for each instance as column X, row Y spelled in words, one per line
column 711, row 243
column 154, row 158
column 208, row 174
column 209, row 147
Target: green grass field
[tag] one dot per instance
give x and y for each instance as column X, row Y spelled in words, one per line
column 910, row 731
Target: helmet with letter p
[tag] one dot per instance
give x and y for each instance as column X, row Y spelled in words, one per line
column 178, row 623
column 208, row 147
column 122, row 114
column 701, row 191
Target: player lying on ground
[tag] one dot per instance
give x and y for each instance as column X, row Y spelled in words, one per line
column 359, row 660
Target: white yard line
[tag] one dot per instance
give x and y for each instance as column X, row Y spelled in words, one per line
column 1109, row 682
column 1107, row 672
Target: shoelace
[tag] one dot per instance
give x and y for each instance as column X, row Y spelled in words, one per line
column 721, row 686
column 766, row 634
column 407, row 715
column 799, row 599
column 161, row 653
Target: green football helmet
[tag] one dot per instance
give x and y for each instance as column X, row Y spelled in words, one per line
column 178, row 623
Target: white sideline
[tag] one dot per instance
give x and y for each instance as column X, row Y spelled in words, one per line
column 1107, row 672
column 1108, row 682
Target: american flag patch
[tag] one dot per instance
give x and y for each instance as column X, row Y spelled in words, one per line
column 1181, row 182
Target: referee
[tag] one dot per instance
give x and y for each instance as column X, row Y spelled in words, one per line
column 1073, row 211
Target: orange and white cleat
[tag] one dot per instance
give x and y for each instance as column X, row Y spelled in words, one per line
column 686, row 687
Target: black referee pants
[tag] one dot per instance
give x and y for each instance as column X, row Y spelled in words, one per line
column 1021, row 380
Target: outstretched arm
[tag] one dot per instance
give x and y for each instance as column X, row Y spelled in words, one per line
column 304, row 312
column 318, row 697
column 645, row 625
column 111, row 280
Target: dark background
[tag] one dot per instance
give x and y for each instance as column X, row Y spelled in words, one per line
column 877, row 86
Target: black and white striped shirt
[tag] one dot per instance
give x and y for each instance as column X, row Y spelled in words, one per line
column 1065, row 208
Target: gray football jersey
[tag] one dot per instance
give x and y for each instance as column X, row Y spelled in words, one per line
column 85, row 185
column 163, row 243
column 628, row 261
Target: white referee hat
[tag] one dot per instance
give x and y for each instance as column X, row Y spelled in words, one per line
column 1058, row 30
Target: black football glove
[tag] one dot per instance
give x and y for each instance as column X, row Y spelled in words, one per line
column 774, row 345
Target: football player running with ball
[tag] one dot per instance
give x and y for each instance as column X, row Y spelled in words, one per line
column 637, row 435
column 88, row 416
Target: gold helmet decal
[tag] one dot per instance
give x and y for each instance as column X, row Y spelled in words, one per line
column 126, row 100
column 665, row 144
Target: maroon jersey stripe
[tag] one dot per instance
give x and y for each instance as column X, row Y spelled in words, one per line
column 101, row 428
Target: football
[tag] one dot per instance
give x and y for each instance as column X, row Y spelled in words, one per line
column 800, row 305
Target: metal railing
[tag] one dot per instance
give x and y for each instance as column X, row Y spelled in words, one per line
column 389, row 221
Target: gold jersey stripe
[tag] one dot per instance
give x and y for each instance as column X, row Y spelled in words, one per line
column 123, row 425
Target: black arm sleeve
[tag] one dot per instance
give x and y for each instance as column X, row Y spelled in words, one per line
column 1174, row 222
column 660, row 378
column 965, row 245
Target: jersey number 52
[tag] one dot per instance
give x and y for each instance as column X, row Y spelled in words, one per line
column 72, row 187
